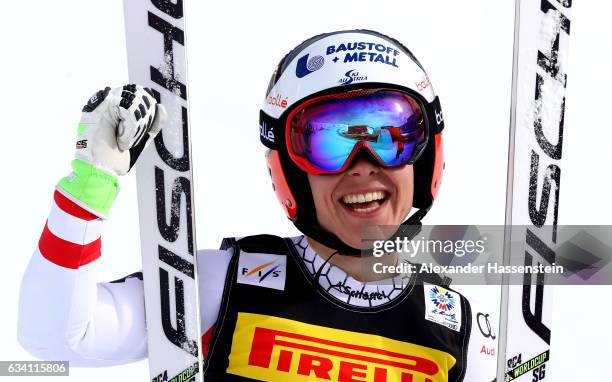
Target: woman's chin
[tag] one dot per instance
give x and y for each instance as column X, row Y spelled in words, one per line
column 364, row 237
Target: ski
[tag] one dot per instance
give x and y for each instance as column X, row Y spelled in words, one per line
column 155, row 37
column 542, row 30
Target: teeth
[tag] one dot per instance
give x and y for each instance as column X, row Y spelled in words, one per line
column 365, row 210
column 363, row 198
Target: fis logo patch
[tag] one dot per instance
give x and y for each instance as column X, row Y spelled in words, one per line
column 442, row 306
column 305, row 66
column 262, row 269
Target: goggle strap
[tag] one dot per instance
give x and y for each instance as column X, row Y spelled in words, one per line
column 435, row 116
column 269, row 133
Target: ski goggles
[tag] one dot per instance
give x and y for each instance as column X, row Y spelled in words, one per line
column 324, row 134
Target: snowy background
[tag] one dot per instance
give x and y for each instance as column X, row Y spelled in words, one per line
column 56, row 54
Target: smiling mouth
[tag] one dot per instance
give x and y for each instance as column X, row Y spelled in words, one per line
column 366, row 202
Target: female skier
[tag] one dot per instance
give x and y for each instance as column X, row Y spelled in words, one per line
column 354, row 136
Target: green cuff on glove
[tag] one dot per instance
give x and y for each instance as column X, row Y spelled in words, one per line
column 94, row 188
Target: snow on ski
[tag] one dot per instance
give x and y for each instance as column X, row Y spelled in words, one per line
column 542, row 31
column 155, row 34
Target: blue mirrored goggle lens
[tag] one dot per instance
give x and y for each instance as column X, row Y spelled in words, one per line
column 390, row 122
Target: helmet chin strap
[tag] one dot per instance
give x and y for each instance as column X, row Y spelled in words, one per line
column 408, row 228
column 317, row 275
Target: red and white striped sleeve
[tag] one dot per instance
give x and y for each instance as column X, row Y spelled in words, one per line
column 71, row 237
column 64, row 313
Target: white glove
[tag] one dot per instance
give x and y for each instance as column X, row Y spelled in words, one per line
column 116, row 126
